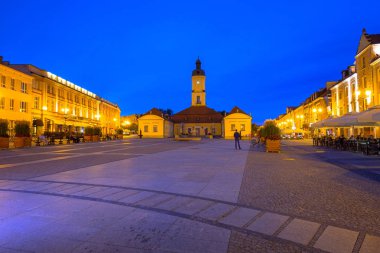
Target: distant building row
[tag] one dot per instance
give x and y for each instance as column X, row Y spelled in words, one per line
column 196, row 120
column 30, row 93
column 358, row 91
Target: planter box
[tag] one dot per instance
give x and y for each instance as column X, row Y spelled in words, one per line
column 87, row 138
column 273, row 145
column 4, row 142
column 95, row 138
column 120, row 136
column 20, row 142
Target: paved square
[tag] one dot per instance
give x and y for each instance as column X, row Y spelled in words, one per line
column 337, row 240
column 165, row 196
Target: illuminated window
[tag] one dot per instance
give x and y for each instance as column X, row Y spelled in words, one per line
column 155, row 128
column 242, row 127
column 2, row 81
column 12, row 84
column 36, row 104
column 2, row 103
column 23, row 106
column 11, row 104
column 61, row 93
column 23, row 87
column 146, row 128
column 233, row 128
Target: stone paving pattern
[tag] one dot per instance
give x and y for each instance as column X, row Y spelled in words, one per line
column 158, row 198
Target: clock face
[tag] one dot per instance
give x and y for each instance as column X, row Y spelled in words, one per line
column 197, row 82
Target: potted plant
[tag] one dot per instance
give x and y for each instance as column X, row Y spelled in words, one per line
column 272, row 135
column 4, row 137
column 88, row 133
column 119, row 133
column 22, row 134
column 97, row 133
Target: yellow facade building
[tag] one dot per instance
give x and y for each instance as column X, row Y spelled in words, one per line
column 368, row 70
column 15, row 95
column 66, row 107
column 357, row 94
column 238, row 120
column 358, row 90
column 198, row 119
column 298, row 120
column 154, row 124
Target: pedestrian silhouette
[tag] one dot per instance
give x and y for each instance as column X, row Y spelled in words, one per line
column 237, row 138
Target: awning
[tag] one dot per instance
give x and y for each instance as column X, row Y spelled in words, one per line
column 372, row 115
column 368, row 118
column 345, row 121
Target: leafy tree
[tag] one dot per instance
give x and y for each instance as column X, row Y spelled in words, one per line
column 167, row 111
column 132, row 127
column 254, row 128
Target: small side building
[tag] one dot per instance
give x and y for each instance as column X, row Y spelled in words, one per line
column 238, row 120
column 154, row 124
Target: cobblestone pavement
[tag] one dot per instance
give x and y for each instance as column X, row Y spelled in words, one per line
column 165, row 196
column 332, row 188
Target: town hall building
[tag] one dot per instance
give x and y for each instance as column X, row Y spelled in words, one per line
column 198, row 119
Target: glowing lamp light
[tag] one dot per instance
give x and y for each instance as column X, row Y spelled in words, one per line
column 44, row 108
column 314, row 110
column 368, row 92
column 319, row 109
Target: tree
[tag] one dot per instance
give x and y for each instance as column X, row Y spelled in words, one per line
column 132, row 127
column 168, row 111
column 255, row 128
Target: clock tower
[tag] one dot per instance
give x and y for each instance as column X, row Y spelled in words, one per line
column 198, row 79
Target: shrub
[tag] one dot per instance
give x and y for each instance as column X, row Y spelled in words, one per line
column 4, row 128
column 88, row 130
column 119, row 131
column 270, row 131
column 22, row 128
column 97, row 131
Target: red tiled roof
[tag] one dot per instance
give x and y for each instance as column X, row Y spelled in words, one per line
column 237, row 110
column 374, row 38
column 155, row 111
column 197, row 114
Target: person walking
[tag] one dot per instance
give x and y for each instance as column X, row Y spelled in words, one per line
column 237, row 138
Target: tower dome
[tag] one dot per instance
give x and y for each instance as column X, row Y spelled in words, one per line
column 198, row 71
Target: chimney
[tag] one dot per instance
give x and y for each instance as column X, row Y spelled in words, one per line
column 345, row 74
column 6, row 63
column 1, row 59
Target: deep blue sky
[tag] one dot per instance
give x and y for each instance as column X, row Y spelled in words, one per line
column 259, row 55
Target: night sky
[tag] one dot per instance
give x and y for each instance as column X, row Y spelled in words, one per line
column 259, row 55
